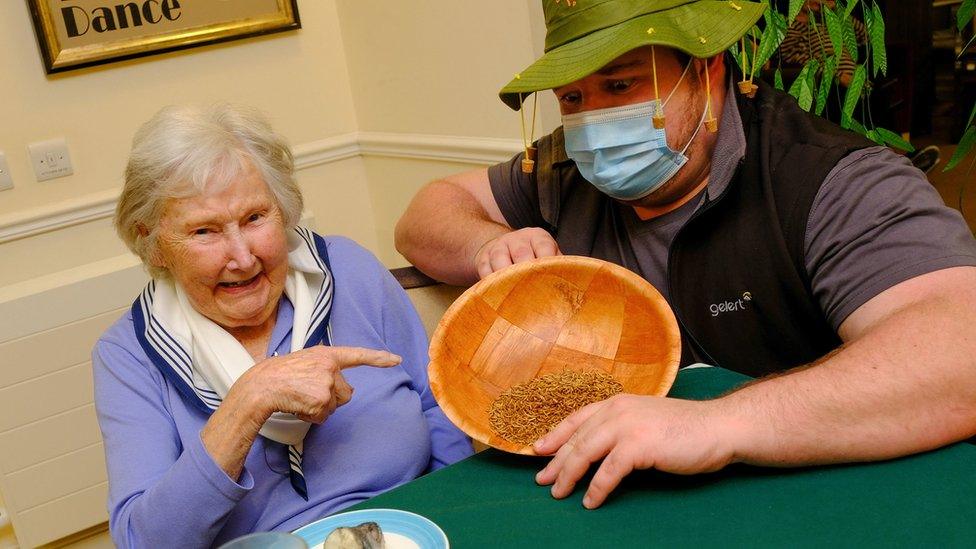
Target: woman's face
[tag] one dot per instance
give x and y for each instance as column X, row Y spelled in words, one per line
column 227, row 249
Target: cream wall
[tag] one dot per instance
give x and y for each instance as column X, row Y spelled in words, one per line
column 300, row 79
column 435, row 68
column 358, row 70
column 377, row 98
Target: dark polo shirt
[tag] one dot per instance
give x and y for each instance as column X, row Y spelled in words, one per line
column 875, row 222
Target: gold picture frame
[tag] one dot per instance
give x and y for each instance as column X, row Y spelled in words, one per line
column 80, row 33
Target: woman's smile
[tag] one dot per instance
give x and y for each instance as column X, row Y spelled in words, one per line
column 240, row 286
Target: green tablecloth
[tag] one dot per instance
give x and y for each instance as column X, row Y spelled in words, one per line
column 490, row 499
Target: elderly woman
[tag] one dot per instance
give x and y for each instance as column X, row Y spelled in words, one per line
column 225, row 395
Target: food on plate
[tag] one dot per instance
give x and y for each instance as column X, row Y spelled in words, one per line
column 367, row 535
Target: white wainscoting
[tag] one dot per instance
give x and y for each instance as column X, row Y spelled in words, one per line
column 478, row 150
column 52, row 471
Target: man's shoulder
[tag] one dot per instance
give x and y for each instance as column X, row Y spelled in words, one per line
column 785, row 123
column 552, row 148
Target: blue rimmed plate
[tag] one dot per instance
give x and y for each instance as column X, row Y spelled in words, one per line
column 401, row 529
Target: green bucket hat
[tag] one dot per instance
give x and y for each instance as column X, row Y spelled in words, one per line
column 584, row 35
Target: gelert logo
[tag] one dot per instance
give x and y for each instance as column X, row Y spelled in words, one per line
column 78, row 21
column 739, row 304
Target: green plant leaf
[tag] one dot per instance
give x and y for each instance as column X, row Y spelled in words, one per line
column 802, row 87
column 826, row 82
column 873, row 135
column 876, row 34
column 778, row 79
column 734, row 52
column 850, row 39
column 892, row 139
column 965, row 145
column 850, row 7
column 812, row 82
column 796, row 6
column 972, row 116
column 771, row 39
column 965, row 14
column 795, row 86
column 854, row 90
column 835, row 29
column 849, row 123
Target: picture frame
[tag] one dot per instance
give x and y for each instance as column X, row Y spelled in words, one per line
column 73, row 34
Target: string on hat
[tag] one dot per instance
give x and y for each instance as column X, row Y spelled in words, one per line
column 752, row 69
column 747, row 87
column 711, row 124
column 528, row 160
column 658, row 117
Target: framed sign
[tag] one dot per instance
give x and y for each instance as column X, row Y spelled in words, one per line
column 79, row 33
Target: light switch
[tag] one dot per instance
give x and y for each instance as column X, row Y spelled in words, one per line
column 50, row 159
column 6, row 181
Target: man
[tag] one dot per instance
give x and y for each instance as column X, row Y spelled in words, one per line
column 782, row 241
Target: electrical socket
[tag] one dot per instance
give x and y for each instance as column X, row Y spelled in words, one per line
column 6, row 180
column 50, row 159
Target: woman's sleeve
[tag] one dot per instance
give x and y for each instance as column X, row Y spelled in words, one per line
column 405, row 335
column 162, row 493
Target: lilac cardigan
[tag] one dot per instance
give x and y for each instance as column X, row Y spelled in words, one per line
column 166, row 491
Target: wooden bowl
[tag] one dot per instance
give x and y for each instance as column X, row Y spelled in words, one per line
column 544, row 316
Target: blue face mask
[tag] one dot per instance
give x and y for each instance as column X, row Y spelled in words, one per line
column 620, row 151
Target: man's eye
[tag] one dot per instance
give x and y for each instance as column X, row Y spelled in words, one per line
column 618, row 86
column 571, row 98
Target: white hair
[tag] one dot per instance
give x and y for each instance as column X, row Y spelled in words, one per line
column 181, row 151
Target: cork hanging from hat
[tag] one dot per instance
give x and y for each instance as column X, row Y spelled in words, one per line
column 528, row 160
column 747, row 87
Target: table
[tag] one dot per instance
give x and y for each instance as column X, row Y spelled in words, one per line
column 490, row 499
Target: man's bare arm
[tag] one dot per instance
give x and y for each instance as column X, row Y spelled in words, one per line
column 445, row 225
column 904, row 382
column 454, row 231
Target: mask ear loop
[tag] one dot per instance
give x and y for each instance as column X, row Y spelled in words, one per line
column 676, row 86
column 528, row 161
column 658, row 117
column 701, row 121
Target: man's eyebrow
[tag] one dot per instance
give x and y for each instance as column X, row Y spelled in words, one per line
column 611, row 69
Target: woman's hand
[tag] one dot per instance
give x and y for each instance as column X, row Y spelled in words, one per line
column 514, row 247
column 307, row 383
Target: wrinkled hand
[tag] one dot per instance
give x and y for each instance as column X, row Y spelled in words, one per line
column 514, row 247
column 307, row 383
column 632, row 432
